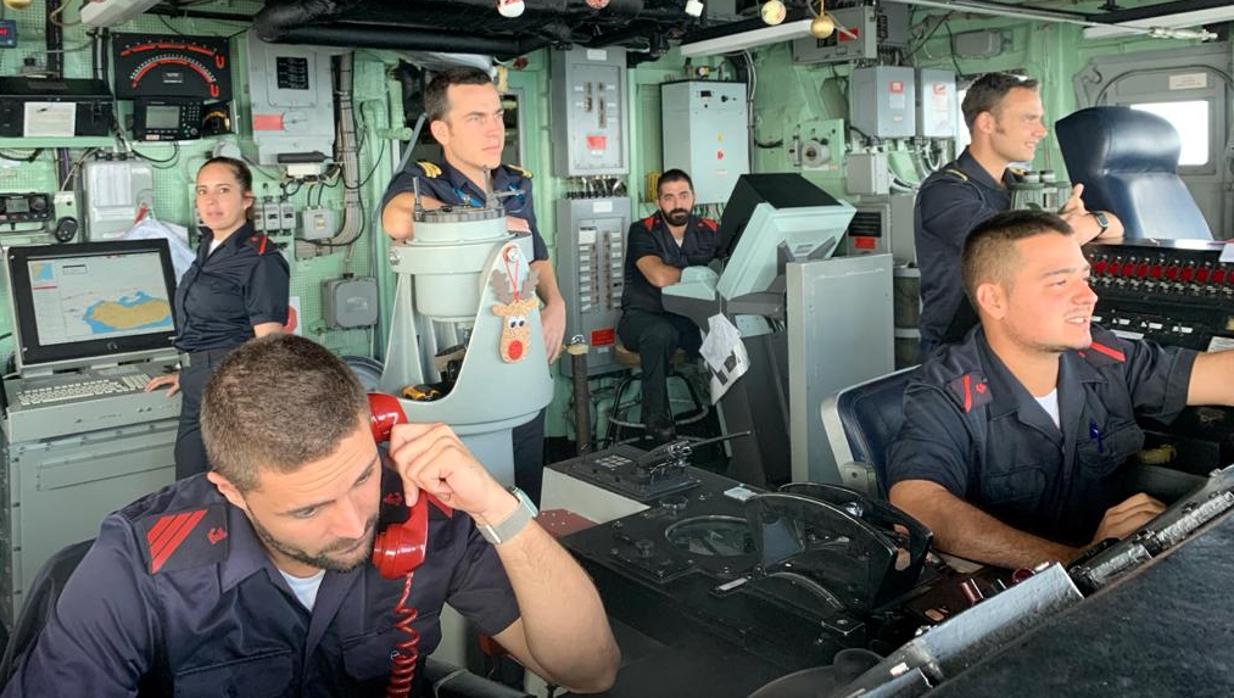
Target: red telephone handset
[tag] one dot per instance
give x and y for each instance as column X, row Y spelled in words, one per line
column 398, row 551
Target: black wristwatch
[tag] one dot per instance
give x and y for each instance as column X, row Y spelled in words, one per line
column 1102, row 220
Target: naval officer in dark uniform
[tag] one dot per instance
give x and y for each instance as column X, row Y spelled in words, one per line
column 658, row 247
column 236, row 289
column 465, row 116
column 1014, row 440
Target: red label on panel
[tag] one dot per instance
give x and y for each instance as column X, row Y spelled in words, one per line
column 897, row 86
column 267, row 122
column 849, row 34
column 597, row 142
column 603, row 338
column 940, row 89
column 864, row 242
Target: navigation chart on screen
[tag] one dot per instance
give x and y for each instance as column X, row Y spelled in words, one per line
column 88, row 298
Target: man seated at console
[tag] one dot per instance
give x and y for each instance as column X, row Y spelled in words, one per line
column 657, row 248
column 254, row 579
column 1014, row 440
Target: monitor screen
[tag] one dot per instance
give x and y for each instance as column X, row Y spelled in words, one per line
column 74, row 302
column 163, row 117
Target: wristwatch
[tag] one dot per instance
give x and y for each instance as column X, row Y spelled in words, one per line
column 1102, row 220
column 510, row 526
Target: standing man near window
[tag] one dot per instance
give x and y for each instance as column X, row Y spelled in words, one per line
column 1004, row 116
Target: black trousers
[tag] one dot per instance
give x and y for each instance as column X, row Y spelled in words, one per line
column 656, row 337
column 529, row 457
column 190, row 451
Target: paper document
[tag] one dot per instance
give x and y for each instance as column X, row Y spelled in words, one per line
column 725, row 355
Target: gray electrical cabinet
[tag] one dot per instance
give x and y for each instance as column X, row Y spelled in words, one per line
column 591, row 251
column 936, row 103
column 706, row 133
column 860, row 32
column 883, row 224
column 291, row 99
column 588, row 88
column 58, row 491
column 882, row 101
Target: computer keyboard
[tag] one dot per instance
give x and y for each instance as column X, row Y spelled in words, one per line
column 81, row 390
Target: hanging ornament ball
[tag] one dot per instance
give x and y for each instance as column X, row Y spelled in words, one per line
column 822, row 26
column 510, row 8
column 597, row 4
column 17, row 4
column 773, row 12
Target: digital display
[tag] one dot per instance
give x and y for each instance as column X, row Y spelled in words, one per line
column 16, row 205
column 164, row 117
column 82, row 298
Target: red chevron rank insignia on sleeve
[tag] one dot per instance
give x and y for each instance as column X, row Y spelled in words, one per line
column 185, row 539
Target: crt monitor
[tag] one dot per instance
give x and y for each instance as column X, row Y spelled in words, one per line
column 72, row 303
column 781, row 190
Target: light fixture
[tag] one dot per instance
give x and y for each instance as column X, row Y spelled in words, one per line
column 822, row 25
column 773, row 12
column 510, row 8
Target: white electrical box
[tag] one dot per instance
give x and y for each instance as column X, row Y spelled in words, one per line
column 291, row 103
column 317, row 223
column 706, row 133
column 936, row 103
column 112, row 193
column 882, row 101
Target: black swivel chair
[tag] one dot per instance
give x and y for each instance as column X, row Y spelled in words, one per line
column 1127, row 161
column 44, row 592
column 861, row 421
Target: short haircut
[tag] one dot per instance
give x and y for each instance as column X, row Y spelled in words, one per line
column 673, row 175
column 436, row 102
column 243, row 174
column 988, row 91
column 989, row 251
column 278, row 402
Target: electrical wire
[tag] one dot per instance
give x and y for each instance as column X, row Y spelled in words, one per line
column 52, row 17
column 174, row 155
column 34, row 155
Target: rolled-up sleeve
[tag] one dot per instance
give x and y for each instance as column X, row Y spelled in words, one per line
column 1158, row 377
column 933, row 444
column 479, row 588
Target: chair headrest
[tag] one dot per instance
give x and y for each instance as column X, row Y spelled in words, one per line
column 1102, row 140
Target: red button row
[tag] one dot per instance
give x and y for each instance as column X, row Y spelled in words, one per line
column 1156, row 271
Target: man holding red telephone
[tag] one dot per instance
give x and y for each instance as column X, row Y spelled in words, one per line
column 255, row 579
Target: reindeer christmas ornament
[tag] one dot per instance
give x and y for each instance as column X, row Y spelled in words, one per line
column 515, row 304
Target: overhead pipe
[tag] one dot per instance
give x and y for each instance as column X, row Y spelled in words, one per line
column 985, row 7
column 409, row 39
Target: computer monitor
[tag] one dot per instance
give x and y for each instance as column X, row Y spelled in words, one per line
column 782, row 190
column 73, row 303
column 768, row 213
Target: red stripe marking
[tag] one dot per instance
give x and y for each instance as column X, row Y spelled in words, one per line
column 1112, row 353
column 172, row 545
column 167, row 532
column 157, row 529
column 968, row 393
column 262, row 249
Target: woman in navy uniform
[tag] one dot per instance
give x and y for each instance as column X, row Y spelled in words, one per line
column 237, row 289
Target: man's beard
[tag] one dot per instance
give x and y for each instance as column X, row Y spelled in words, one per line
column 322, row 560
column 677, row 216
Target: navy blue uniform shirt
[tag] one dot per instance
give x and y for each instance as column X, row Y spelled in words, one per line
column 950, row 203
column 971, row 427
column 222, row 295
column 443, row 182
column 179, row 597
column 651, row 236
